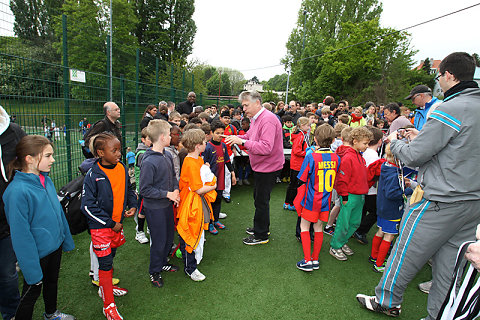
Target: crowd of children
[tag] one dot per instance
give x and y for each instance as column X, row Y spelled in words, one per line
column 176, row 181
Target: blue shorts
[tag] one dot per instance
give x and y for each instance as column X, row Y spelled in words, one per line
column 388, row 226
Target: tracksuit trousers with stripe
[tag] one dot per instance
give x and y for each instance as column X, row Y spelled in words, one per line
column 428, row 229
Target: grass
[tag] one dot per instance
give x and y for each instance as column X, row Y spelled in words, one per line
column 243, row 282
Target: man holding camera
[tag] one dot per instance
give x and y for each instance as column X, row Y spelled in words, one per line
column 446, row 212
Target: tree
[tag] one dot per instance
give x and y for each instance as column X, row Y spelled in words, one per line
column 477, row 59
column 361, row 70
column 214, row 82
column 277, row 82
column 427, row 65
column 255, row 80
column 34, row 19
column 322, row 28
column 166, row 28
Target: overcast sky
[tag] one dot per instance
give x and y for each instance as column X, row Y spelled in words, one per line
column 252, row 34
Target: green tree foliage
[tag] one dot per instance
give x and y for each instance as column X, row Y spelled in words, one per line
column 427, row 65
column 214, row 82
column 343, row 61
column 477, row 59
column 34, row 19
column 324, row 19
column 166, row 28
column 277, row 83
column 376, row 70
column 22, row 75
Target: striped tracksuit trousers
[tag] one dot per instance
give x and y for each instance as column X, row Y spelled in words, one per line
column 428, row 229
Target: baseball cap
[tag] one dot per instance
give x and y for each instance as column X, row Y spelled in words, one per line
column 418, row 89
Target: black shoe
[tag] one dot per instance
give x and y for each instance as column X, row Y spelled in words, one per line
column 360, row 237
column 251, row 232
column 251, row 241
column 156, row 279
column 227, row 200
column 370, row 303
column 170, row 268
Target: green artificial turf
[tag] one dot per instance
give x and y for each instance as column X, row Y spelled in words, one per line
column 242, row 282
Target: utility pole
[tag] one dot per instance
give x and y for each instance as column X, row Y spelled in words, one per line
column 303, row 42
column 110, row 53
column 288, row 82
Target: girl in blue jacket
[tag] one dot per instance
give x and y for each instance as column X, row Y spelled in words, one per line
column 38, row 225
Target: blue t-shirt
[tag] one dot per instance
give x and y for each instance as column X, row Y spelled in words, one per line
column 131, row 157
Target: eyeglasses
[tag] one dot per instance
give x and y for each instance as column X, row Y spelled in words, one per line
column 438, row 77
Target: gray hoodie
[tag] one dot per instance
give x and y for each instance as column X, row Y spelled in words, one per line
column 447, row 149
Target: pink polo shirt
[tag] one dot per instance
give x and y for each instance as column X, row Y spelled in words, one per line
column 264, row 141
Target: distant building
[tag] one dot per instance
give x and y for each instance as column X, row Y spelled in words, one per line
column 251, row 85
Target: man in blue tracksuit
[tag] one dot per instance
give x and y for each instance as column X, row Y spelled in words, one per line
column 446, row 152
column 426, row 103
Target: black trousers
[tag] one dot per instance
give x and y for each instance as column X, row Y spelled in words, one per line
column 190, row 263
column 160, row 222
column 292, row 187
column 217, row 205
column 50, row 268
column 264, row 183
column 369, row 214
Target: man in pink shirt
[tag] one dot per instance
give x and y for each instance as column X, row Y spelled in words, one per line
column 264, row 142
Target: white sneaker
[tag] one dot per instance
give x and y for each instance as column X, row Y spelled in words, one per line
column 141, row 237
column 346, row 249
column 197, row 275
column 222, row 215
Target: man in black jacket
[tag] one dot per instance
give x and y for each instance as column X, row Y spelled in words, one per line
column 187, row 106
column 10, row 134
column 108, row 124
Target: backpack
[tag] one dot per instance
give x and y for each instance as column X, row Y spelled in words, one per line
column 70, row 197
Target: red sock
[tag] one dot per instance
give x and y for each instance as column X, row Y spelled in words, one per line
column 105, row 282
column 317, row 245
column 375, row 246
column 307, row 247
column 382, row 252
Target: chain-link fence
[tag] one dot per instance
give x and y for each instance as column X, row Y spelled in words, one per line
column 55, row 100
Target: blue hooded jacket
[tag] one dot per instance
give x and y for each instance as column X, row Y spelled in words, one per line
column 37, row 222
column 390, row 203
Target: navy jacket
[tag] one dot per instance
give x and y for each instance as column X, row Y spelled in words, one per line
column 97, row 197
column 157, row 178
column 390, row 204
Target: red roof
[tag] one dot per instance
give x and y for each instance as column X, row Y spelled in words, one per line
column 435, row 64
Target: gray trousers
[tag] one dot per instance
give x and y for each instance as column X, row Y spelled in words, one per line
column 428, row 229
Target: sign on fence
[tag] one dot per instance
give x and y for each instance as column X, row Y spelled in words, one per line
column 77, row 75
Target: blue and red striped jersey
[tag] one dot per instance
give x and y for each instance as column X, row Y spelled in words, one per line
column 318, row 171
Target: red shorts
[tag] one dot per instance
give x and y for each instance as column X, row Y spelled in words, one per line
column 103, row 240
column 313, row 216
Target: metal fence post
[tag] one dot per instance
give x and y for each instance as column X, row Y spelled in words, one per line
column 183, row 82
column 172, row 89
column 109, row 76
column 123, row 115
column 66, row 96
column 156, row 80
column 137, row 95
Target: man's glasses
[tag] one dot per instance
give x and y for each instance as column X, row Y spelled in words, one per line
column 438, row 77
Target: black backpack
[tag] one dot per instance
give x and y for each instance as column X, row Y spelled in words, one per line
column 70, row 197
